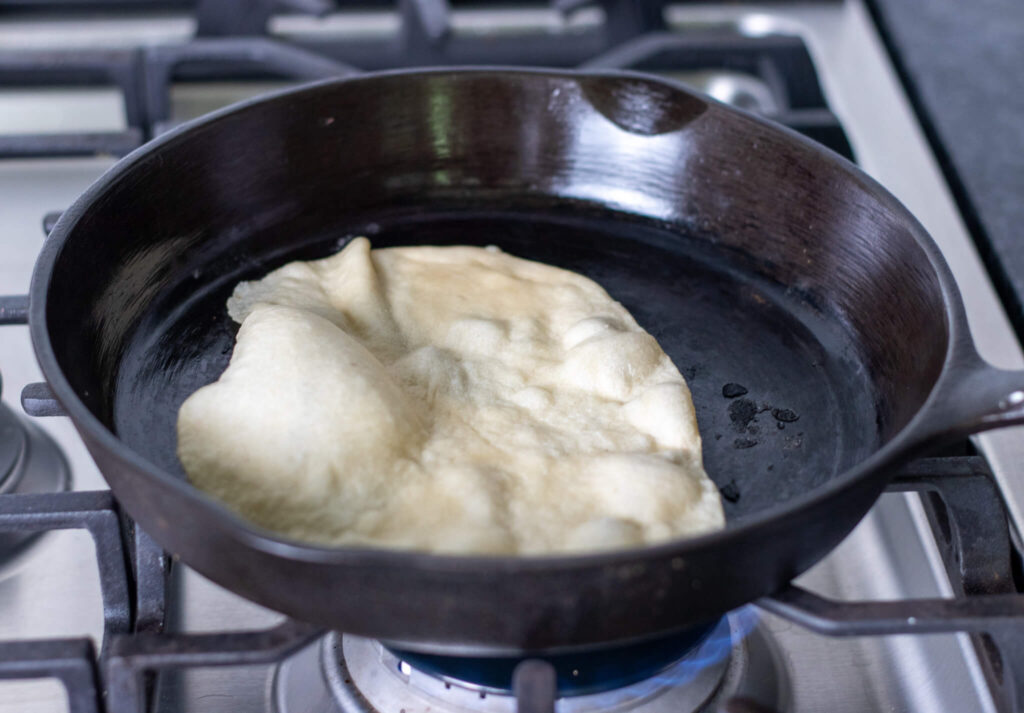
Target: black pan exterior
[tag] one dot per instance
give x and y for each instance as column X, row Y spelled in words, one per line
column 830, row 274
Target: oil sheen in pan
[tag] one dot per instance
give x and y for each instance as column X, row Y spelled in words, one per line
column 802, row 382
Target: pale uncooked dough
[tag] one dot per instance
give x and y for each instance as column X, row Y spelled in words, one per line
column 449, row 399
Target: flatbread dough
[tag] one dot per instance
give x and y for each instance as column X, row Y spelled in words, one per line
column 449, row 399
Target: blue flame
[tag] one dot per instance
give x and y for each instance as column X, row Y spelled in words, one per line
column 715, row 649
column 719, row 644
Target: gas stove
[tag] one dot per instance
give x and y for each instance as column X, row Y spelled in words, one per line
column 94, row 616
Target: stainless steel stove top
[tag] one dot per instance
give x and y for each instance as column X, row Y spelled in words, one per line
column 53, row 590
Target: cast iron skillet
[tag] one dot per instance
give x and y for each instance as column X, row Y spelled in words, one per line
column 753, row 255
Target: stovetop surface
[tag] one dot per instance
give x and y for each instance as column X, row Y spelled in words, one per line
column 53, row 589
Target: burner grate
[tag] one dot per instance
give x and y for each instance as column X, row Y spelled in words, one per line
column 70, row 661
column 131, row 657
column 134, row 573
column 133, row 590
column 86, row 67
column 236, row 46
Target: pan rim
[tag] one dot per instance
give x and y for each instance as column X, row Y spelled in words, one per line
column 278, row 545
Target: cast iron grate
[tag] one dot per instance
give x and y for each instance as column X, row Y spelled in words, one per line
column 233, row 43
column 968, row 516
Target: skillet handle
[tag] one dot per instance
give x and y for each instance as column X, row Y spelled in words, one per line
column 971, row 397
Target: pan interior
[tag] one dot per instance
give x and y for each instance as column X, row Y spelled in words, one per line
column 807, row 414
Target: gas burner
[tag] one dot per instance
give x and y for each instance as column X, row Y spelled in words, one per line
column 578, row 672
column 733, row 659
column 30, row 462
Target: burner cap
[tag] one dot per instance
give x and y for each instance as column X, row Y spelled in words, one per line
column 30, row 462
column 13, row 442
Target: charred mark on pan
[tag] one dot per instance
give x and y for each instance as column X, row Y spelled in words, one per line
column 742, row 443
column 730, row 491
column 785, row 415
column 732, row 390
column 741, row 413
